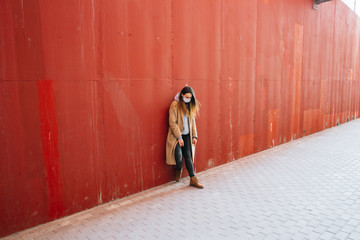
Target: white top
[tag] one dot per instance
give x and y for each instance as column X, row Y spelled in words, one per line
column 186, row 129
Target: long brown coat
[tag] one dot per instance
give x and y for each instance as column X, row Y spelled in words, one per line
column 176, row 124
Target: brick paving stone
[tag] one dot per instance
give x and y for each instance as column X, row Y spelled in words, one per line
column 334, row 229
column 327, row 235
column 353, row 222
column 299, row 236
column 304, row 189
column 354, row 235
column 320, row 229
column 286, row 236
column 313, row 235
column 341, row 235
column 348, row 229
column 339, row 222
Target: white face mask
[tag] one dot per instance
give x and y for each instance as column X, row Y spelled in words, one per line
column 186, row 100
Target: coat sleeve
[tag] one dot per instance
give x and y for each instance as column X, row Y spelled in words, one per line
column 172, row 120
column 194, row 130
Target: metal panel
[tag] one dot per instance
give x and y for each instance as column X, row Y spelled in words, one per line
column 85, row 88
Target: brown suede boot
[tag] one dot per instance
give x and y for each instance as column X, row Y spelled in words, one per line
column 194, row 182
column 178, row 175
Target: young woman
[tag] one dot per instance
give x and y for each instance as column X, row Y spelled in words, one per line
column 182, row 134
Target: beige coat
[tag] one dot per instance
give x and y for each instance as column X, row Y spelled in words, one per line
column 176, row 124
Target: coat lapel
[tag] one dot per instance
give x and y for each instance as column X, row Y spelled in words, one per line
column 181, row 121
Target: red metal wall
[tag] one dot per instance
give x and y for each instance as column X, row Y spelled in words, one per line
column 85, row 87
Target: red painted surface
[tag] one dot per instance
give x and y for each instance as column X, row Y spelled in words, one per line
column 265, row 71
column 49, row 140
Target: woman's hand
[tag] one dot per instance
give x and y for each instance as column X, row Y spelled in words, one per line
column 194, row 141
column 181, row 142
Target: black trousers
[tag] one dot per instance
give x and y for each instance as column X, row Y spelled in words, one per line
column 185, row 152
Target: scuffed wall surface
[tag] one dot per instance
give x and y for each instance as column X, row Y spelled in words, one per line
column 85, row 88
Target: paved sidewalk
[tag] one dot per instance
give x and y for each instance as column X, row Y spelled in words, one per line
column 305, row 189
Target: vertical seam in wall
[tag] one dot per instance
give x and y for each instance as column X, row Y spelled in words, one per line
column 222, row 38
column 101, row 101
column 302, row 97
column 101, row 41
column 357, row 39
column 332, row 110
column 172, row 45
column 127, row 40
column 254, row 74
column 195, row 42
